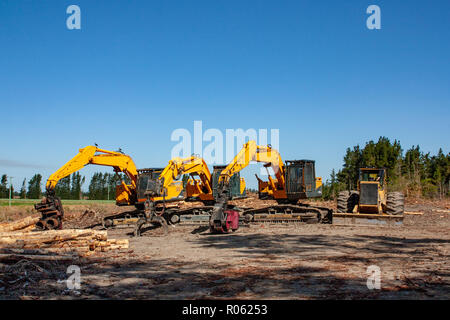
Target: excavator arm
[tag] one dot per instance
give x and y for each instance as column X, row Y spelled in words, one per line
column 93, row 155
column 51, row 208
column 192, row 165
column 249, row 152
column 252, row 152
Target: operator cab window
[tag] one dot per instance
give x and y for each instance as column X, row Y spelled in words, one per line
column 143, row 181
column 373, row 176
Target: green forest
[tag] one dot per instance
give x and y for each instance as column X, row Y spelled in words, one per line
column 413, row 172
column 101, row 187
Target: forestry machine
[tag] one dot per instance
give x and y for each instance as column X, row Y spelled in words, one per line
column 371, row 203
column 295, row 180
column 126, row 194
column 155, row 190
column 194, row 188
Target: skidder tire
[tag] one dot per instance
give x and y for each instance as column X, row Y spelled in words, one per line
column 395, row 203
column 342, row 201
column 353, row 200
column 347, row 200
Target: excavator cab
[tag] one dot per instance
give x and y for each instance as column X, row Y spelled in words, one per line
column 301, row 182
column 149, row 184
column 237, row 184
column 146, row 182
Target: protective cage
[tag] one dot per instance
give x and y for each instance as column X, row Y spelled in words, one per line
column 301, row 179
column 368, row 194
column 147, row 181
column 235, row 183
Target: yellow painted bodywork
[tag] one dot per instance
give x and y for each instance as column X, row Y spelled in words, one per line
column 194, row 189
column 265, row 154
column 318, row 182
column 242, row 186
column 380, row 207
column 125, row 194
column 173, row 191
column 264, row 187
column 194, row 166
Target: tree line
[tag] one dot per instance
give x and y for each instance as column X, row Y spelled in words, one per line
column 101, row 187
column 413, row 172
column 32, row 192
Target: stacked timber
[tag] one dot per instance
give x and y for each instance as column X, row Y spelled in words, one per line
column 68, row 243
column 25, row 223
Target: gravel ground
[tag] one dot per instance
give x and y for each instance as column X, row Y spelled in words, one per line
column 258, row 262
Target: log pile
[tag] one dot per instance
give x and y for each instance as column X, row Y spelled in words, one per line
column 25, row 223
column 18, row 240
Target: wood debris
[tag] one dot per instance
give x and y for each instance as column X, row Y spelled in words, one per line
column 20, row 235
column 441, row 211
column 25, row 223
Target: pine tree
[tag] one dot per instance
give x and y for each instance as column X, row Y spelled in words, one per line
column 23, row 190
column 413, row 173
column 77, row 182
column 62, row 188
column 334, row 190
column 4, row 186
column 34, row 187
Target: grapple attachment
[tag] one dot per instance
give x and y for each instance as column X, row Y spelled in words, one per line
column 51, row 213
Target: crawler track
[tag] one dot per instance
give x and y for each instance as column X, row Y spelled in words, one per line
column 289, row 213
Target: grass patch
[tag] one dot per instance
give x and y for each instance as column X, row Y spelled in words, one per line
column 29, row 202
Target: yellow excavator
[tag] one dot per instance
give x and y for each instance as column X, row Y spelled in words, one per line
column 155, row 189
column 153, row 186
column 195, row 192
column 294, row 180
column 157, row 185
column 126, row 194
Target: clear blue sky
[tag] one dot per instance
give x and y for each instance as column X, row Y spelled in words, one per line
column 137, row 70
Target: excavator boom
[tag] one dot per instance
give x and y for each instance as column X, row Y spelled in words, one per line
column 51, row 207
column 192, row 165
column 252, row 152
column 93, row 155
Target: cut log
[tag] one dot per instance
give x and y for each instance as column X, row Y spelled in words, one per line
column 71, row 241
column 27, row 251
column 55, row 235
column 35, row 257
column 441, row 211
column 20, row 224
column 29, row 228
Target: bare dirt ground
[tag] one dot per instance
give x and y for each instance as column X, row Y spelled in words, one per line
column 257, row 262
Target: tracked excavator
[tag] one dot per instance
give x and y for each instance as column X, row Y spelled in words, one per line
column 152, row 187
column 294, row 180
column 50, row 207
column 155, row 189
column 194, row 190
